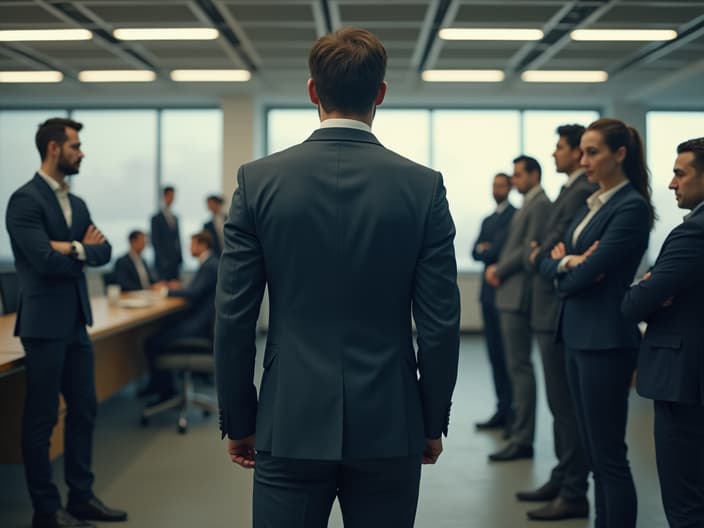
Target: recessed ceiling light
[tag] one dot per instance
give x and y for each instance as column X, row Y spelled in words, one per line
column 490, row 34
column 629, row 35
column 565, row 76
column 97, row 76
column 31, row 76
column 210, row 75
column 30, row 35
column 198, row 33
column 463, row 75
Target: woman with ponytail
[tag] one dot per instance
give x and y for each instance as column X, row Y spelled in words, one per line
column 592, row 269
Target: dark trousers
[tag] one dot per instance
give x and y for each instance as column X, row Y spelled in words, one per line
column 375, row 493
column 52, row 367
column 600, row 383
column 571, row 471
column 679, row 452
column 497, row 358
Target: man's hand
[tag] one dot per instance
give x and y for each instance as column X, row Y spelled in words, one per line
column 433, row 448
column 61, row 247
column 93, row 236
column 242, row 451
column 535, row 249
column 558, row 252
column 667, row 302
column 490, row 276
column 483, row 246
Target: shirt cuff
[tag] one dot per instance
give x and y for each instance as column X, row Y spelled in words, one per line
column 562, row 266
column 80, row 251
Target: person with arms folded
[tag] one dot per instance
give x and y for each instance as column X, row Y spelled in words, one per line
column 53, row 238
column 592, row 269
column 351, row 239
column 671, row 359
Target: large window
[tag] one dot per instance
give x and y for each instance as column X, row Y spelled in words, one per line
column 666, row 130
column 467, row 146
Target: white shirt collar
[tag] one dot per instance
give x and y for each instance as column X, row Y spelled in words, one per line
column 532, row 193
column 500, row 208
column 573, row 177
column 55, row 186
column 204, row 256
column 339, row 122
column 599, row 198
column 688, row 216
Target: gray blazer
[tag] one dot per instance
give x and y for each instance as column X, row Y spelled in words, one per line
column 351, row 239
column 544, row 300
column 514, row 293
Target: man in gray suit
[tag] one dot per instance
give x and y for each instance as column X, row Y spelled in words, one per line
column 567, row 487
column 351, row 239
column 513, row 300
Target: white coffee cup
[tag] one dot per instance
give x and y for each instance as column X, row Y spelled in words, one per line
column 114, row 292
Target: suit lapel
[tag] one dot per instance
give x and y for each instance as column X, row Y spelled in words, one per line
column 57, row 215
column 597, row 221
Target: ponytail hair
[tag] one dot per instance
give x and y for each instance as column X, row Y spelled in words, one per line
column 618, row 134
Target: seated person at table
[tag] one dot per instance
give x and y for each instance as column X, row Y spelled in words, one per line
column 196, row 321
column 131, row 271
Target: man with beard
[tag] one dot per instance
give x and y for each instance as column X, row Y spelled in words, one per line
column 53, row 238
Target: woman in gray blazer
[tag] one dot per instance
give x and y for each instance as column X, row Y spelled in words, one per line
column 592, row 269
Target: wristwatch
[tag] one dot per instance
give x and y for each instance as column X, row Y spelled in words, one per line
column 74, row 250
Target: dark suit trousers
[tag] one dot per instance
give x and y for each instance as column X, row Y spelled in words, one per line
column 374, row 493
column 497, row 358
column 53, row 367
column 600, row 383
column 679, row 452
column 571, row 471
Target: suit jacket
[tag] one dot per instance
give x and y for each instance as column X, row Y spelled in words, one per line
column 494, row 230
column 198, row 318
column 671, row 360
column 167, row 246
column 514, row 293
column 126, row 274
column 352, row 239
column 544, row 301
column 52, row 287
column 209, row 226
column 590, row 310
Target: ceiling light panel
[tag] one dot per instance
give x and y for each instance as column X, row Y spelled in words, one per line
column 463, row 75
column 35, row 35
column 166, row 33
column 490, row 34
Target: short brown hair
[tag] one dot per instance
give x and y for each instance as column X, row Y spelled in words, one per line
column 54, row 129
column 347, row 67
column 696, row 147
column 204, row 237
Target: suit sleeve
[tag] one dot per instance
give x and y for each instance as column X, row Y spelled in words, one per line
column 96, row 254
column 537, row 224
column 681, row 260
column 201, row 286
column 26, row 227
column 241, row 282
column 436, row 310
column 483, row 237
column 623, row 236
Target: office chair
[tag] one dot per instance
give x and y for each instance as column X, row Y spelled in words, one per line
column 185, row 357
column 9, row 292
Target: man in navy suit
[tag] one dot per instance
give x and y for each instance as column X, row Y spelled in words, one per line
column 53, row 238
column 131, row 270
column 196, row 321
column 486, row 249
column 351, row 239
column 671, row 362
column 216, row 225
column 166, row 239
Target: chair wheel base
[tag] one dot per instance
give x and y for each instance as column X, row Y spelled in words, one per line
column 182, row 426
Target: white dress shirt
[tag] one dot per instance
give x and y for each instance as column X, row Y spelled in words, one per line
column 339, row 122
column 500, row 208
column 141, row 270
column 61, row 192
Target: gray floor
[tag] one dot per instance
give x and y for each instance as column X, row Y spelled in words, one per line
column 169, row 480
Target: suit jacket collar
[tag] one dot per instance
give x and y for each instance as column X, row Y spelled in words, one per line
column 50, row 196
column 696, row 211
column 343, row 134
column 611, row 203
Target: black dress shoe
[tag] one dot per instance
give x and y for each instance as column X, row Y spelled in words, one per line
column 512, row 452
column 58, row 519
column 559, row 509
column 497, row 421
column 546, row 492
column 94, row 509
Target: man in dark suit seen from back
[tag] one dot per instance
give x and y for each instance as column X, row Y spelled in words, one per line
column 53, row 239
column 216, row 225
column 166, row 239
column 196, row 321
column 352, row 240
column 566, row 489
column 131, row 270
column 486, row 249
column 671, row 358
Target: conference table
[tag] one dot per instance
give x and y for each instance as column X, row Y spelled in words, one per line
column 118, row 335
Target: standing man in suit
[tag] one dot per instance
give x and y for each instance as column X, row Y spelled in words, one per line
column 486, row 249
column 351, row 239
column 131, row 271
column 216, row 225
column 196, row 321
column 166, row 239
column 567, row 487
column 670, row 363
column 53, row 238
column 513, row 300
